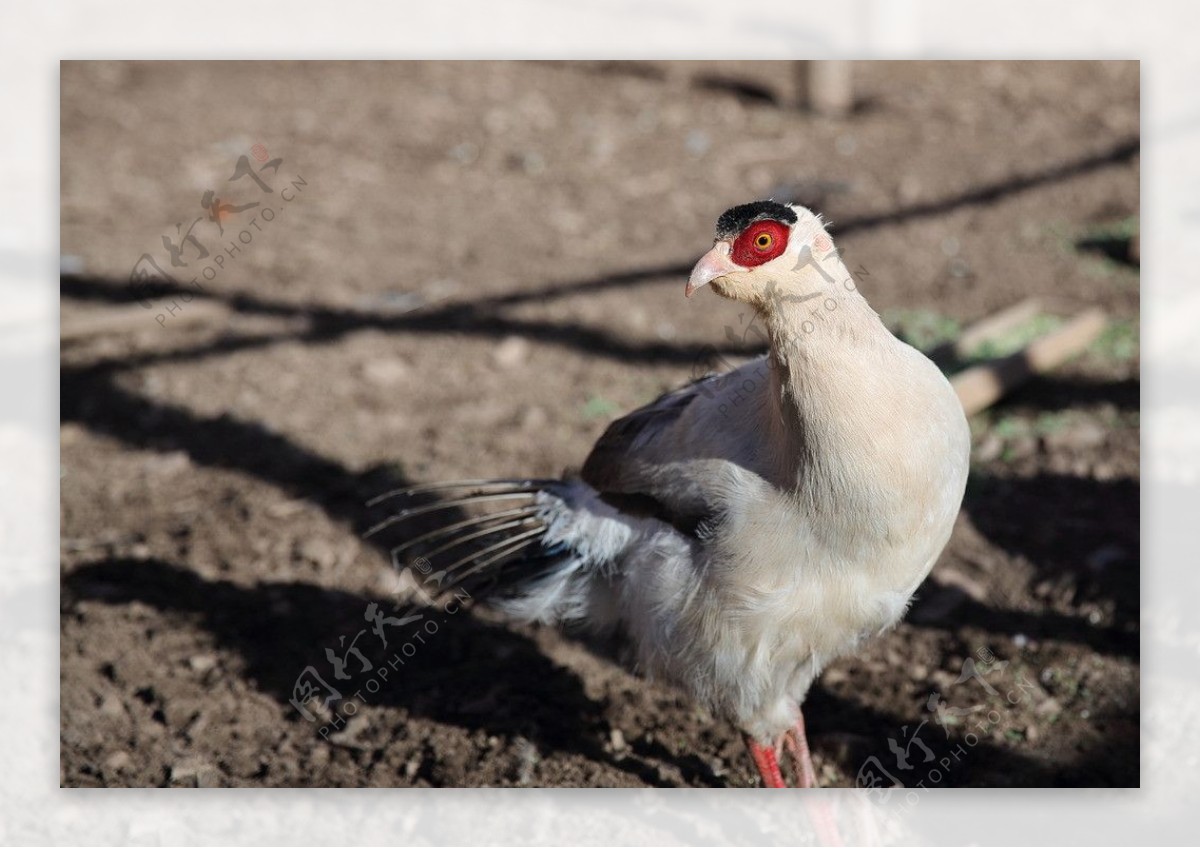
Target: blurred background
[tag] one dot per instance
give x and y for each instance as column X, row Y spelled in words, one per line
column 288, row 288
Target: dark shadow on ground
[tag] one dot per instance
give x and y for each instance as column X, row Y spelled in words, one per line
column 469, row 673
column 1039, row 625
column 484, row 677
column 1081, row 534
column 1050, row 392
column 863, row 737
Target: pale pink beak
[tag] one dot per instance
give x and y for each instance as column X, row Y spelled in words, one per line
column 716, row 263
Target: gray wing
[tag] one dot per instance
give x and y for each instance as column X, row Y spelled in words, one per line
column 662, row 459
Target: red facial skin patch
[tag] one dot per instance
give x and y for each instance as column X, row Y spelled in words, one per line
column 760, row 242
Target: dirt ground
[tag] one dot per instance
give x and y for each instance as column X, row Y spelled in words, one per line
column 469, row 269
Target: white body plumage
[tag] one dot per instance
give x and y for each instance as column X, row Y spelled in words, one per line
column 832, row 486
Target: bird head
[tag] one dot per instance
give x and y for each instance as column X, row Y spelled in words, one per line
column 764, row 250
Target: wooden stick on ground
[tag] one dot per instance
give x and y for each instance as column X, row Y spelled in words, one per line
column 980, row 386
column 987, row 329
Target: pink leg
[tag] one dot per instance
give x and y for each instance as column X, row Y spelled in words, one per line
column 797, row 745
column 767, row 764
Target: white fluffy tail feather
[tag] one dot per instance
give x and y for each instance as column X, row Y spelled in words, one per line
column 593, row 536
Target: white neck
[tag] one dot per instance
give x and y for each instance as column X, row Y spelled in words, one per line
column 832, row 371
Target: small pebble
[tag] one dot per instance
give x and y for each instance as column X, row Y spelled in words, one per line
column 112, row 706
column 317, row 551
column 617, row 739
column 202, row 662
column 1048, row 708
column 193, row 772
column 511, row 352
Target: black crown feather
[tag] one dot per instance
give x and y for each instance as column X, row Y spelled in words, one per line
column 734, row 220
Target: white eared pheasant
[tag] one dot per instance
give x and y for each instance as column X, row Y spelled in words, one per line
column 740, row 538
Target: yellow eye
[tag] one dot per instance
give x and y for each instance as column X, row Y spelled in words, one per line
column 763, row 241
